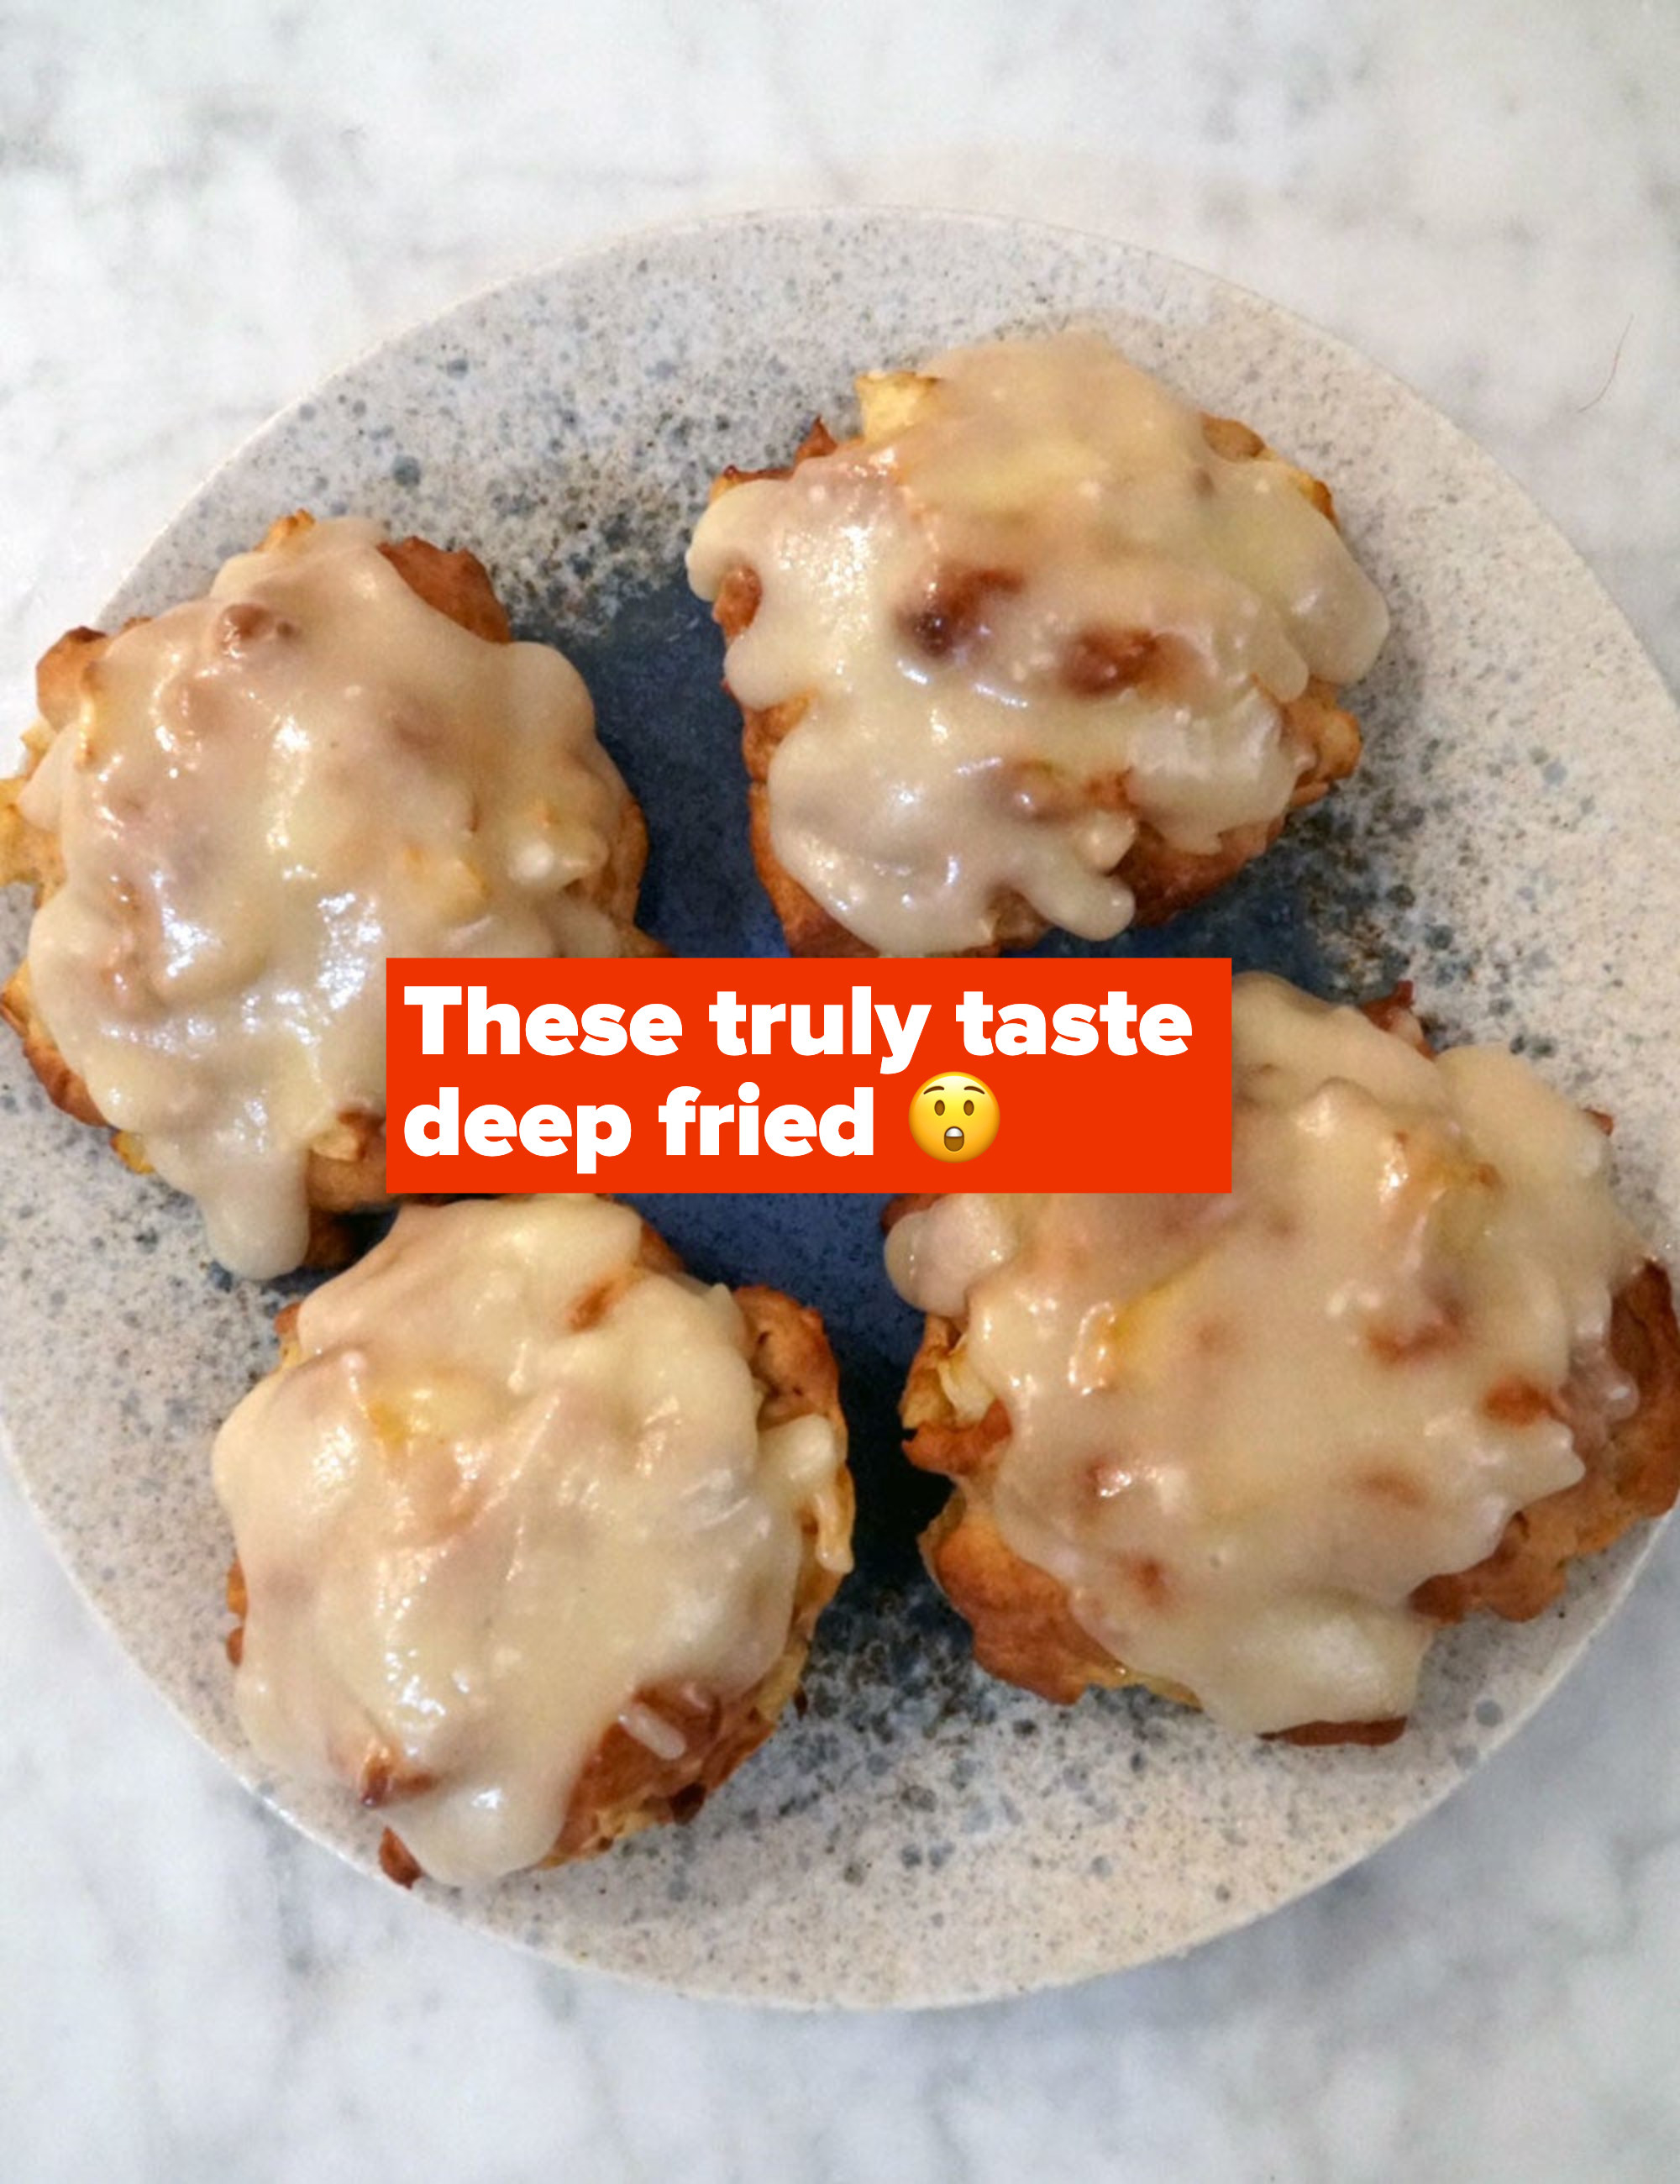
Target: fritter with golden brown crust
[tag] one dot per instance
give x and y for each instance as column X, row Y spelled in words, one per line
column 625, row 1785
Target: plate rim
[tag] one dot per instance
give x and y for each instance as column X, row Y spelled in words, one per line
column 666, row 235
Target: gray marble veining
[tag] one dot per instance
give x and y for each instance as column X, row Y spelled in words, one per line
column 204, row 209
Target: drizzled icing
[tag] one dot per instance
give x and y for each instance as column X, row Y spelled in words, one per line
column 265, row 792
column 514, row 1485
column 1031, row 609
column 1243, row 1431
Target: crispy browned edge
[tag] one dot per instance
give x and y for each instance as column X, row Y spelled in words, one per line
column 625, row 1787
column 347, row 1167
column 1163, row 880
column 1024, row 1628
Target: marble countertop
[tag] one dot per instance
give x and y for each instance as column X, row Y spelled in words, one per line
column 203, row 207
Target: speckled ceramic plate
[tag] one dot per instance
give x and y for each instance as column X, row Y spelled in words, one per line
column 922, row 1835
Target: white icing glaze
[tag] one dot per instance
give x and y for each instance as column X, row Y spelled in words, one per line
column 474, row 1537
column 928, row 775
column 1243, row 1430
column 266, row 792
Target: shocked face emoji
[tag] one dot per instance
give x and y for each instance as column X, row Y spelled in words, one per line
column 954, row 1117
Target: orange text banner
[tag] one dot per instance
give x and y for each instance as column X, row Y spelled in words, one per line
column 769, row 1074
